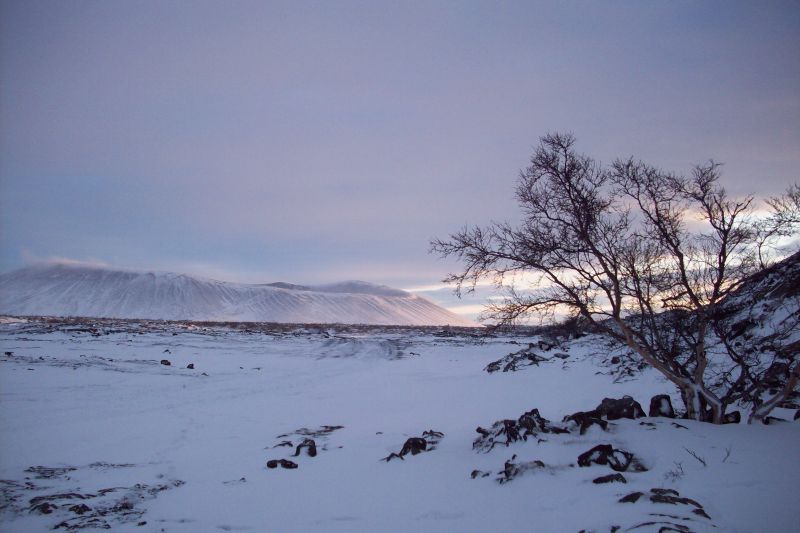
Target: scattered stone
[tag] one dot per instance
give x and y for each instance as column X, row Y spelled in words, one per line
column 702, row 513
column 797, row 414
column 615, row 360
column 668, row 497
column 166, row 351
column 515, row 361
column 44, row 508
column 417, row 445
column 432, row 438
column 610, row 478
column 190, row 366
column 661, row 405
column 479, row 473
column 316, row 433
column 80, row 508
column 283, row 463
column 142, row 523
column 605, row 454
column 773, row 419
column 45, row 472
column 414, row 445
column 511, row 469
column 679, row 425
column 665, row 492
column 284, row 443
column 310, row 445
column 633, row 497
column 734, row 417
column 9, row 354
column 625, row 407
column 505, row 432
column 585, row 420
column 165, row 362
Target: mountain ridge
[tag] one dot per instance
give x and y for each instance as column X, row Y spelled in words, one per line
column 59, row 289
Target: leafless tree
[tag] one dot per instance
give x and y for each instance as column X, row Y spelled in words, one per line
column 645, row 256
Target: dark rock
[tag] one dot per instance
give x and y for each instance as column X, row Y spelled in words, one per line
column 190, row 366
column 512, row 469
column 310, row 445
column 797, row 414
column 284, row 443
column 633, row 497
column 479, row 473
column 585, row 420
column 702, row 513
column 9, row 354
column 143, row 522
column 283, row 463
column 610, row 478
column 507, row 431
column 673, row 500
column 81, row 508
column 515, row 361
column 665, row 492
column 615, row 360
column 414, row 445
column 661, row 405
column 165, row 362
column 166, row 351
column 734, row 417
column 679, row 425
column 44, row 508
column 625, row 407
column 773, row 419
column 605, row 454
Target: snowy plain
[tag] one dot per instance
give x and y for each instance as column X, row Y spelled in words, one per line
column 89, row 413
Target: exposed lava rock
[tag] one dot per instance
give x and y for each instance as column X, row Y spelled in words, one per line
column 625, row 407
column 166, row 362
column 511, row 469
column 585, row 420
column 610, row 478
column 605, row 454
column 609, row 409
column 667, row 521
column 283, row 463
column 309, row 445
column 661, row 405
column 416, row 445
column 516, row 361
column 507, row 431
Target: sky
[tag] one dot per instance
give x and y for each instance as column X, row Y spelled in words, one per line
column 313, row 142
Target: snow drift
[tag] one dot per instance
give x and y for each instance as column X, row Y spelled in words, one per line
column 70, row 290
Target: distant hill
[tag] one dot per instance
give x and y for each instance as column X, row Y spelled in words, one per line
column 70, row 290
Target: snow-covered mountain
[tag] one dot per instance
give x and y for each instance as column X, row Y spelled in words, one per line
column 71, row 290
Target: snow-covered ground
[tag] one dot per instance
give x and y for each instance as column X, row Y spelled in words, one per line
column 85, row 408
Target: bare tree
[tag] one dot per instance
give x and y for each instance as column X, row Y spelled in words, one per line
column 616, row 247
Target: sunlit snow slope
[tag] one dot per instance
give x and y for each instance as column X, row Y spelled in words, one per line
column 69, row 290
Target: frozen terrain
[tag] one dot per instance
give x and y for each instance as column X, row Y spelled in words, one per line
column 97, row 431
column 83, row 291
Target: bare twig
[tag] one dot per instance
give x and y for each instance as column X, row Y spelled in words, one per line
column 693, row 454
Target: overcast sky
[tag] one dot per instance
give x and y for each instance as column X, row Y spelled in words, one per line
column 319, row 141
